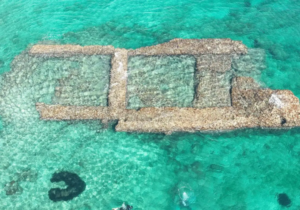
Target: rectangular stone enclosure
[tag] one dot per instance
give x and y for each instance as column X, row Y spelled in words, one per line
column 82, row 80
column 181, row 85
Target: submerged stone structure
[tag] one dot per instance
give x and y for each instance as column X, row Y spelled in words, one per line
column 225, row 97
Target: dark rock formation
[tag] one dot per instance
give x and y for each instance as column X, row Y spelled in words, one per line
column 75, row 186
column 284, row 200
column 283, row 121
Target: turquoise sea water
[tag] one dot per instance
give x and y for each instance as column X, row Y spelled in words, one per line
column 160, row 81
column 240, row 170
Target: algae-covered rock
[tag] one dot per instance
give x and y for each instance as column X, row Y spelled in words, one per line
column 284, row 200
column 75, row 186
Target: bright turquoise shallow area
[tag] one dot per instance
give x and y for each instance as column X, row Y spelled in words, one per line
column 240, row 170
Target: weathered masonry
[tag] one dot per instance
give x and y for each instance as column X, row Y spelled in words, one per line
column 219, row 101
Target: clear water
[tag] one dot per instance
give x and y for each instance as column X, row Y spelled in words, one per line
column 160, row 81
column 242, row 170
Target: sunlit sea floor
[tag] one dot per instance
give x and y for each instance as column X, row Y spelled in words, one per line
column 239, row 170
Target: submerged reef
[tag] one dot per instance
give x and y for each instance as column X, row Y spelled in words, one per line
column 26, row 175
column 75, row 186
column 12, row 188
column 284, row 200
column 181, row 85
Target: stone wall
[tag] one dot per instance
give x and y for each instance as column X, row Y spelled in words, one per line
column 68, row 50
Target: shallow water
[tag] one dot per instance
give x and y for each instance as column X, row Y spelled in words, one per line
column 160, row 81
column 243, row 169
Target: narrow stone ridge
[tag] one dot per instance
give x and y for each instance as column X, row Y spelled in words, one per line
column 68, row 50
column 61, row 112
column 118, row 81
column 223, row 100
column 193, row 47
